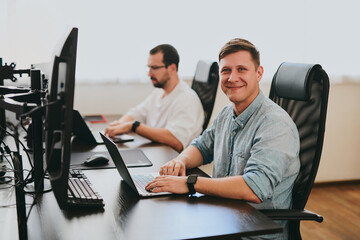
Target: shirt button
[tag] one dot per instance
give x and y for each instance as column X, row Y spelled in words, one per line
column 242, row 125
column 230, row 155
column 234, row 132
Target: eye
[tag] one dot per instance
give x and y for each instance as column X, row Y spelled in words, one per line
column 240, row 69
column 225, row 70
column 154, row 68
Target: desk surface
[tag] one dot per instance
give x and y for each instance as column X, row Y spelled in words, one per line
column 125, row 216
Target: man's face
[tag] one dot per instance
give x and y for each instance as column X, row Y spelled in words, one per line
column 239, row 78
column 158, row 73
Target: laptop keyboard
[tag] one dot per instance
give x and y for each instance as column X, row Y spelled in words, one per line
column 81, row 192
column 141, row 181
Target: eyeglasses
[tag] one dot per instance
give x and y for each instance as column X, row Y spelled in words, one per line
column 155, row 68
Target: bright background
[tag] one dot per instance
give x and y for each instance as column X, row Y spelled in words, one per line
column 116, row 35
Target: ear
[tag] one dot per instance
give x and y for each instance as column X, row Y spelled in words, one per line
column 172, row 67
column 260, row 72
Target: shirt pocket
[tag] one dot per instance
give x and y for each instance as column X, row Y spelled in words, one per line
column 238, row 163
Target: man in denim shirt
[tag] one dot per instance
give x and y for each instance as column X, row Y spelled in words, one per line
column 253, row 142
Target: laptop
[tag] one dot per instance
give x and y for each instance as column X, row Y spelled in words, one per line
column 137, row 182
column 82, row 132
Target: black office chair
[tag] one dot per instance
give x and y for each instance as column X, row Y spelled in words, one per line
column 205, row 84
column 302, row 90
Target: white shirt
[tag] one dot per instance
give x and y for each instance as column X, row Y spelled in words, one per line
column 180, row 112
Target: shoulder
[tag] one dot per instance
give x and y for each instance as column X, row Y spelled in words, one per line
column 184, row 91
column 225, row 113
column 272, row 114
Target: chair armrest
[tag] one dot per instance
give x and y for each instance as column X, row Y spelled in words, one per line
column 291, row 214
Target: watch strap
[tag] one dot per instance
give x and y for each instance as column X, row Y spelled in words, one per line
column 135, row 125
column 191, row 180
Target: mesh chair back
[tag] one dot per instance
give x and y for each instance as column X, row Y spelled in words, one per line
column 302, row 90
column 205, row 84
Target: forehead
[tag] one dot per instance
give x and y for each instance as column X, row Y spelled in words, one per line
column 156, row 59
column 235, row 59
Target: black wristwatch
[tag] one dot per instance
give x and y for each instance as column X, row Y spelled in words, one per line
column 191, row 180
column 135, row 125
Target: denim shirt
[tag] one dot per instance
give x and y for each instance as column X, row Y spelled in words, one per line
column 261, row 144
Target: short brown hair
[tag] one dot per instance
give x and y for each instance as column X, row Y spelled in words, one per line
column 170, row 54
column 239, row 44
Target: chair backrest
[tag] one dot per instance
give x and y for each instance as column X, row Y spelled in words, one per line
column 205, row 84
column 303, row 90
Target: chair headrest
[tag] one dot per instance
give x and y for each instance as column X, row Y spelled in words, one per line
column 203, row 70
column 292, row 80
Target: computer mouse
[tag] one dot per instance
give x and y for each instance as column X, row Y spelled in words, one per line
column 96, row 160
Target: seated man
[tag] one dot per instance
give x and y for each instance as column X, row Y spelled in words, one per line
column 172, row 114
column 253, row 142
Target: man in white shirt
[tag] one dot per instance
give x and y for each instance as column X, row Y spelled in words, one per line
column 172, row 114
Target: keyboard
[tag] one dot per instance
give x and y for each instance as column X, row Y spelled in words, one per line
column 81, row 192
column 141, row 181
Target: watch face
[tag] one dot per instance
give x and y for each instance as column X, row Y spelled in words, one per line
column 192, row 179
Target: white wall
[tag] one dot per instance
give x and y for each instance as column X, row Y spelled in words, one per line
column 116, row 35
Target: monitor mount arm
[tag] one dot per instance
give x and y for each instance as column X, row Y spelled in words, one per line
column 28, row 103
column 7, row 72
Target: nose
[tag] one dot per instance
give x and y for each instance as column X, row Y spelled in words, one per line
column 150, row 74
column 233, row 77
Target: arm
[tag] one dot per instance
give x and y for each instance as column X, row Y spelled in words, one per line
column 189, row 158
column 233, row 187
column 229, row 187
column 160, row 135
column 174, row 179
column 123, row 119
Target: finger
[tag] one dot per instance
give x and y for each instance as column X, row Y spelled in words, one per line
column 165, row 169
column 162, row 170
column 150, row 185
column 177, row 169
column 170, row 168
column 182, row 172
column 158, row 189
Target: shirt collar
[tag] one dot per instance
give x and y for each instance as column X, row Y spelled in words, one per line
column 242, row 119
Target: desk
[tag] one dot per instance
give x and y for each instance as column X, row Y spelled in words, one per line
column 127, row 217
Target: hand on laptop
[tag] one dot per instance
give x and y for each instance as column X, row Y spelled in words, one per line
column 173, row 184
column 175, row 167
column 116, row 129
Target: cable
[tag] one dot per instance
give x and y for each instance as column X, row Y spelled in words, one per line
column 22, row 124
column 3, row 154
column 37, row 108
column 16, row 134
column 24, row 148
column 37, row 193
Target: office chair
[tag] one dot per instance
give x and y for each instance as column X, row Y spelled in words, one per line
column 302, row 90
column 205, row 84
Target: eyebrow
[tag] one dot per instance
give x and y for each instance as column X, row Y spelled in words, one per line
column 237, row 66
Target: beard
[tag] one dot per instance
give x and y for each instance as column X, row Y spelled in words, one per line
column 159, row 83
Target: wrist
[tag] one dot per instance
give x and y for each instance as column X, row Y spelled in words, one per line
column 186, row 161
column 135, row 125
column 191, row 181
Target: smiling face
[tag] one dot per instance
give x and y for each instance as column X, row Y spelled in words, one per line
column 240, row 79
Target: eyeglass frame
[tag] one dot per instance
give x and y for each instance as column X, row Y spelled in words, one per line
column 155, row 68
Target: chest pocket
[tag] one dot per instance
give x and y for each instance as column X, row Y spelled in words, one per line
column 238, row 163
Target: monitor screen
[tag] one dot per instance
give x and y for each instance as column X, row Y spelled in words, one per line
column 58, row 119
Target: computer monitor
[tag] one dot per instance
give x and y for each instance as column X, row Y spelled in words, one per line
column 58, row 118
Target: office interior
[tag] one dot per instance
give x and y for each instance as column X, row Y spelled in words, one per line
column 115, row 37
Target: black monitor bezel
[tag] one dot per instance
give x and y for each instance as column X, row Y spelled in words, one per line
column 59, row 116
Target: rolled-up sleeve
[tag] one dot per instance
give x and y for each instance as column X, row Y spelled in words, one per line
column 273, row 159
